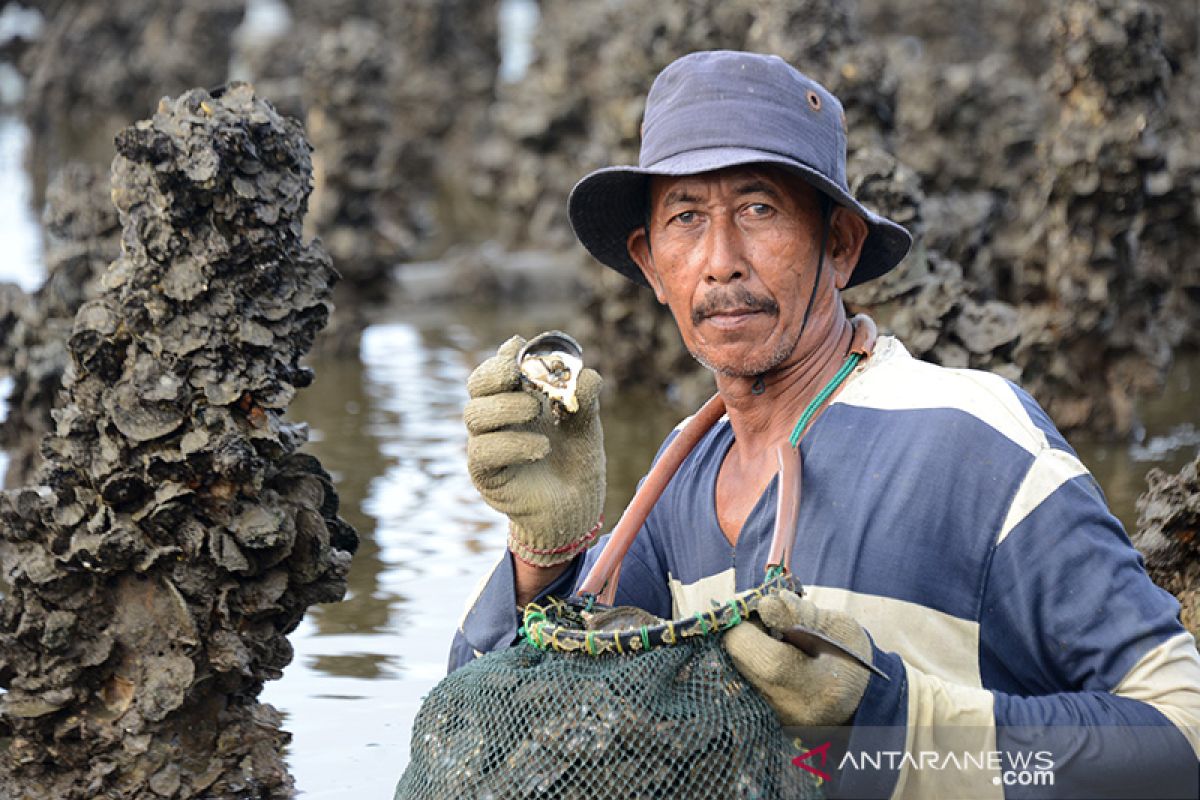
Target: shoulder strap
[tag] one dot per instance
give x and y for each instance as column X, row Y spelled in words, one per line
column 602, row 580
column 787, row 509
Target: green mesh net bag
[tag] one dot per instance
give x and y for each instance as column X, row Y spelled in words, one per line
column 626, row 711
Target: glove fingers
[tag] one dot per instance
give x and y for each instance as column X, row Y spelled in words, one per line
column 824, row 689
column 488, row 453
column 587, row 389
column 762, row 659
column 787, row 609
column 492, row 412
column 778, row 613
column 499, row 373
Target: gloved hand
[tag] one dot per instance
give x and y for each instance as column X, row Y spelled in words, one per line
column 807, row 691
column 547, row 477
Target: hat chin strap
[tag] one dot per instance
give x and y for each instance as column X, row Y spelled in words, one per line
column 760, row 384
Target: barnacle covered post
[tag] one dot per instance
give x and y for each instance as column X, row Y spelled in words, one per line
column 358, row 208
column 178, row 534
column 1168, row 534
column 1093, row 337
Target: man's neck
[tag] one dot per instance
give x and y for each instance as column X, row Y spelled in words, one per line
column 761, row 421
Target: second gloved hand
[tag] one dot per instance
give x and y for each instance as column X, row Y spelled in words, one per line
column 810, row 691
column 547, row 477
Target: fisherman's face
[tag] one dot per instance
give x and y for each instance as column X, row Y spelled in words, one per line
column 733, row 254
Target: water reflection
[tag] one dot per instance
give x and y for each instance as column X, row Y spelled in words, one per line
column 1169, row 440
column 373, row 666
column 342, row 406
column 20, row 233
column 389, row 426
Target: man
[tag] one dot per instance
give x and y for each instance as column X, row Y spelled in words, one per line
column 947, row 531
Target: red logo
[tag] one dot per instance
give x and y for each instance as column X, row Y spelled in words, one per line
column 803, row 761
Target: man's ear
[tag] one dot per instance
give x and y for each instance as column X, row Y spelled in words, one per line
column 847, row 234
column 638, row 243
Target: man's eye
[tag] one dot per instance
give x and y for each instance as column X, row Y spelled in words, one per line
column 685, row 217
column 759, row 209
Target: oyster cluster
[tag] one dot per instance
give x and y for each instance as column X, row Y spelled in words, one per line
column 937, row 311
column 178, row 534
column 387, row 91
column 357, row 203
column 1039, row 188
column 1098, row 337
column 1168, row 535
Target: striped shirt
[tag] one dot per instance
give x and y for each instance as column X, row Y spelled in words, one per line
column 946, row 514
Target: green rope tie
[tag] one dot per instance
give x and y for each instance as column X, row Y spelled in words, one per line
column 831, row 387
column 737, row 613
column 645, row 637
column 531, row 630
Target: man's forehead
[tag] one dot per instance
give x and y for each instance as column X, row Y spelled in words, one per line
column 746, row 178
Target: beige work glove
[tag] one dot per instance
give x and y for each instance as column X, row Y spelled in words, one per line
column 807, row 691
column 547, row 477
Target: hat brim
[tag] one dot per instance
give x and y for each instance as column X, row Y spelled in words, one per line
column 608, row 204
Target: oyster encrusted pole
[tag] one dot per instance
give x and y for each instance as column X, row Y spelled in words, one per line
column 1168, row 534
column 178, row 534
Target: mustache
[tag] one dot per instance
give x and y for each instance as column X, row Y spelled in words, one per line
column 739, row 298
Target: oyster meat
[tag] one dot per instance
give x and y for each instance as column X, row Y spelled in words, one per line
column 551, row 362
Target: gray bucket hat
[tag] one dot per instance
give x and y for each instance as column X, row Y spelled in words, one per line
column 722, row 108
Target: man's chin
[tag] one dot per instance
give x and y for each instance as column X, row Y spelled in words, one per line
column 732, row 366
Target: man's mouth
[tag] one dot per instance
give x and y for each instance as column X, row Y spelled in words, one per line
column 730, row 308
column 730, row 317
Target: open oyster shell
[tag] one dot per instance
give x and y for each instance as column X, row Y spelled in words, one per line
column 551, row 362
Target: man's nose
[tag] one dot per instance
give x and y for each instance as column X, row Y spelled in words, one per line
column 726, row 256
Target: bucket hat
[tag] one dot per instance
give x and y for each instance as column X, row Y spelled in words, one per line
column 722, row 108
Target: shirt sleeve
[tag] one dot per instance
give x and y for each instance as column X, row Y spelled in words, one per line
column 492, row 619
column 1098, row 668
column 1090, row 684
